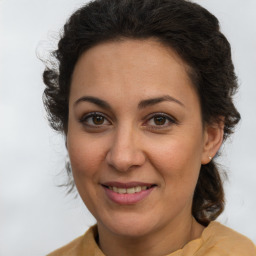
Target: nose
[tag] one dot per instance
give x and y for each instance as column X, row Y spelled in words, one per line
column 125, row 151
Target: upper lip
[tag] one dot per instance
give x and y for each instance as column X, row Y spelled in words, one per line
column 126, row 184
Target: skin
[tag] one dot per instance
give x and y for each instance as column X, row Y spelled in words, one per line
column 126, row 143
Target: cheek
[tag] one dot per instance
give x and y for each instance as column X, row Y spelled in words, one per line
column 178, row 160
column 85, row 156
column 86, row 162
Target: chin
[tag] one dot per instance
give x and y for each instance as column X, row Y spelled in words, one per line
column 130, row 231
column 130, row 226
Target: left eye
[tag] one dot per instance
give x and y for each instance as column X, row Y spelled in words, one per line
column 160, row 120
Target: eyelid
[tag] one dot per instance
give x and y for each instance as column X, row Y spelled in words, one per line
column 171, row 119
column 91, row 114
column 161, row 114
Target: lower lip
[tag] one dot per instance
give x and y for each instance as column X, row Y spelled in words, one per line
column 127, row 199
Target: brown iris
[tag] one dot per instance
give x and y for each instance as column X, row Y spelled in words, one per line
column 98, row 120
column 159, row 120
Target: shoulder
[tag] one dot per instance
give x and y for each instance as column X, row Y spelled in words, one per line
column 83, row 245
column 69, row 249
column 225, row 241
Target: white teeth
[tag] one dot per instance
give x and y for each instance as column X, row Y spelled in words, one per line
column 121, row 190
column 128, row 190
column 137, row 189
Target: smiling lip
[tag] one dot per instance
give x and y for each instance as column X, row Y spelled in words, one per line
column 127, row 193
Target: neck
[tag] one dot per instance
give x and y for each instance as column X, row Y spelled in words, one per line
column 164, row 241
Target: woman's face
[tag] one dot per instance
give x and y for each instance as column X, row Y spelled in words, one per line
column 135, row 136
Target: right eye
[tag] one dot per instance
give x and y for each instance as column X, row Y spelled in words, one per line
column 94, row 120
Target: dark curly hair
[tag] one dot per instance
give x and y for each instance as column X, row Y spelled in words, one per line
column 187, row 28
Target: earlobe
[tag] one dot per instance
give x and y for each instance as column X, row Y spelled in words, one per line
column 213, row 138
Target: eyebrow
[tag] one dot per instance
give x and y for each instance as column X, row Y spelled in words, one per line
column 153, row 101
column 143, row 104
column 94, row 100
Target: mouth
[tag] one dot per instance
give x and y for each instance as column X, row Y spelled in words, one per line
column 128, row 189
column 130, row 193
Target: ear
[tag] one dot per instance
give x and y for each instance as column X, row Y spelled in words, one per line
column 213, row 138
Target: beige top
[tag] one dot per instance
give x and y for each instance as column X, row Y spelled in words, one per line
column 216, row 240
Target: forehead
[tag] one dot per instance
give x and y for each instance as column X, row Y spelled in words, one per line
column 146, row 54
column 130, row 67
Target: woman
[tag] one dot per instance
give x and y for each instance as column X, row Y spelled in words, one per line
column 143, row 94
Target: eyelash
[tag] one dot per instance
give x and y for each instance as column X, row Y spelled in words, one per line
column 167, row 118
column 85, row 118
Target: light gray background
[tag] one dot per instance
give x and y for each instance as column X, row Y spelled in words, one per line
column 35, row 215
